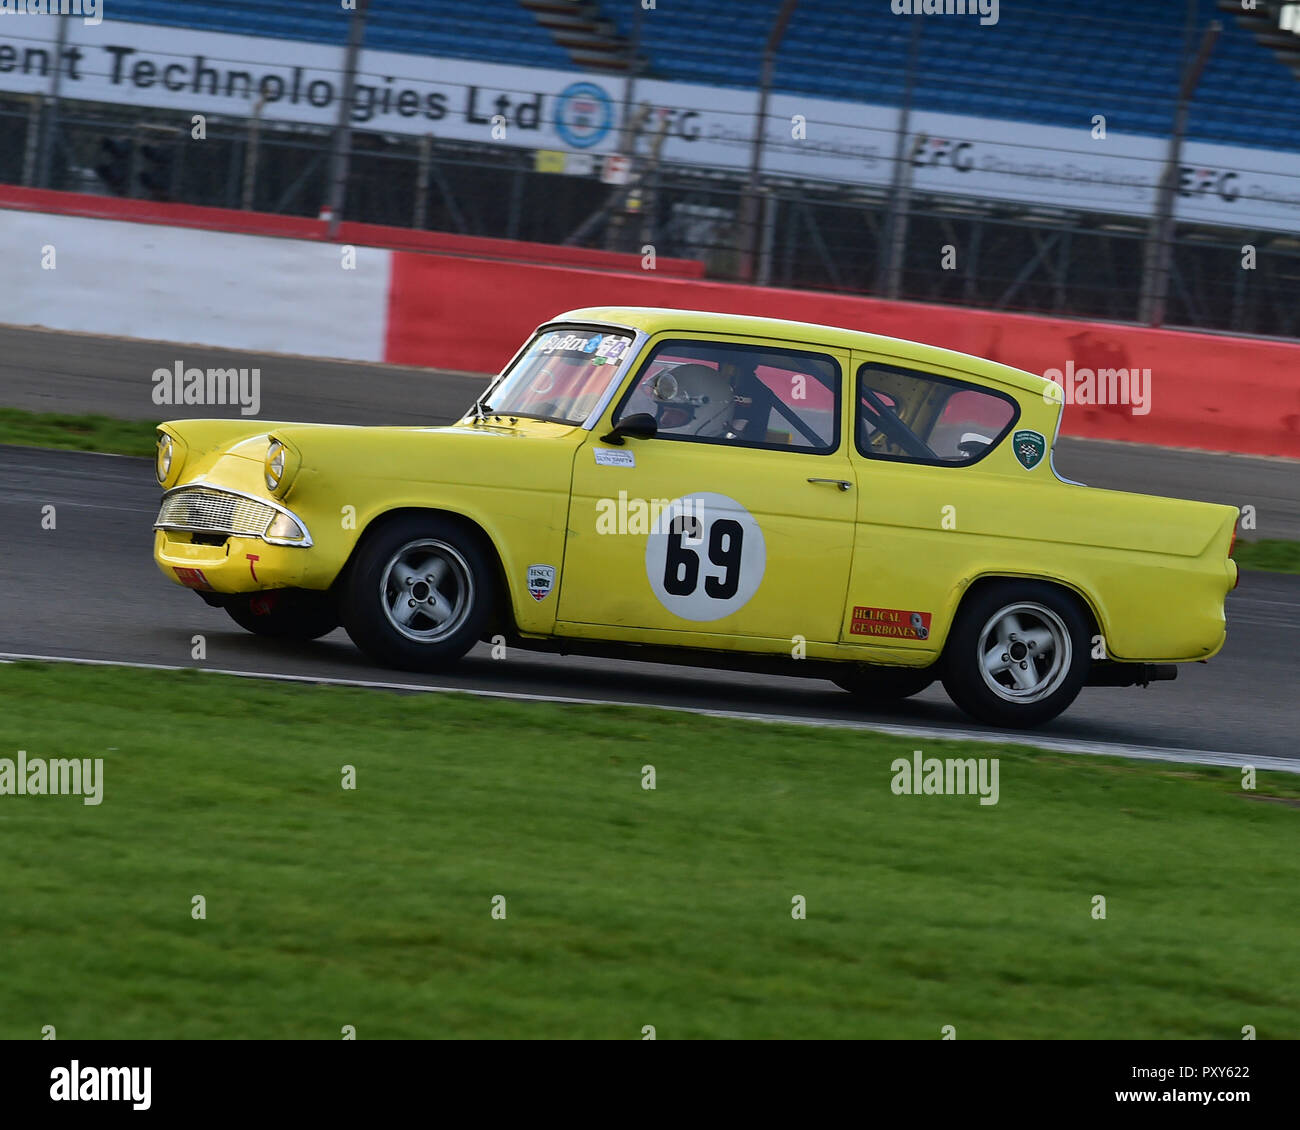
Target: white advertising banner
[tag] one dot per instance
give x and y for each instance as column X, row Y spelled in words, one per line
column 200, row 72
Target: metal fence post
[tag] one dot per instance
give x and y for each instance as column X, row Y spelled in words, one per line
column 341, row 149
column 424, row 156
column 748, row 228
column 50, row 113
column 138, row 135
column 31, row 147
column 632, row 122
column 253, row 151
column 770, row 200
column 897, row 224
column 1160, row 241
column 894, row 240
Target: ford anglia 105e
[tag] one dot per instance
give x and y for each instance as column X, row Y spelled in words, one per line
column 722, row 491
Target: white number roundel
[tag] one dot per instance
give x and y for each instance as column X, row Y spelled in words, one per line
column 705, row 556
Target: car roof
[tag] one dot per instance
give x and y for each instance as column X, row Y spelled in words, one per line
column 654, row 319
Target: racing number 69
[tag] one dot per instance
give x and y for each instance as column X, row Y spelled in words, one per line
column 682, row 564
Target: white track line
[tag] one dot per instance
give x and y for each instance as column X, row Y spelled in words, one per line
column 1099, row 749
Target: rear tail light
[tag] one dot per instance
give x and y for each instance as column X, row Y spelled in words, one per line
column 1231, row 546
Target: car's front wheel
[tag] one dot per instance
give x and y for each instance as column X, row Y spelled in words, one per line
column 1017, row 654
column 420, row 593
column 286, row 614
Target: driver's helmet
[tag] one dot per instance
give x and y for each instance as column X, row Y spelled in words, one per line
column 694, row 400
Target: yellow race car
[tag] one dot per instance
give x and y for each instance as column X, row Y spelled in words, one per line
column 724, row 491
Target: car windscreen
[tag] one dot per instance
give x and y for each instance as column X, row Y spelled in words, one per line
column 561, row 376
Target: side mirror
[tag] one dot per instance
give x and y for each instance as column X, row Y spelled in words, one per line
column 640, row 425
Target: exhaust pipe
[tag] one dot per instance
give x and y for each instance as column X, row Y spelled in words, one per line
column 1130, row 674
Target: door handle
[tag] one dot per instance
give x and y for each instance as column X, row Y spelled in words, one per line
column 841, row 483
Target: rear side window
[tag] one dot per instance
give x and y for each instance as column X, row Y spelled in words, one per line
column 915, row 417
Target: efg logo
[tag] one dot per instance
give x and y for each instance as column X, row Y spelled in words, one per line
column 584, row 115
column 935, row 151
column 1207, row 182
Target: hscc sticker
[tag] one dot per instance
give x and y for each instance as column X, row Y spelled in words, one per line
column 607, row 458
column 896, row 622
column 541, row 579
column 191, row 578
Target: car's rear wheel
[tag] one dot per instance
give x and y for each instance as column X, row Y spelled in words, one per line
column 1017, row 654
column 883, row 685
column 420, row 593
column 287, row 614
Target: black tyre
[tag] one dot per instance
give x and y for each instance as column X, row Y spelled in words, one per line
column 883, row 685
column 287, row 614
column 1018, row 653
column 420, row 593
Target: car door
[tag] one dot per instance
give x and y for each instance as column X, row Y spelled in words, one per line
column 733, row 522
column 929, row 447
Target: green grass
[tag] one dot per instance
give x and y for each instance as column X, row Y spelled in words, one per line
column 1270, row 555
column 625, row 907
column 77, row 433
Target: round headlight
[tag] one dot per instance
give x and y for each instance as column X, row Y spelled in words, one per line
column 274, row 464
column 163, row 463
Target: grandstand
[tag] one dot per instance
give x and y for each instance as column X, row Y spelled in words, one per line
column 491, row 30
column 1050, row 62
column 1053, row 63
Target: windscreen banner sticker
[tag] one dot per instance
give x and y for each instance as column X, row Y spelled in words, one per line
column 609, row 348
column 1030, row 447
column 705, row 557
column 541, row 579
column 898, row 623
column 607, row 458
column 191, row 578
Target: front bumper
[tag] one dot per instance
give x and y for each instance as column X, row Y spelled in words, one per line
column 217, row 539
column 237, row 565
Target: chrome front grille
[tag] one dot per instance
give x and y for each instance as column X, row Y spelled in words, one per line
column 208, row 511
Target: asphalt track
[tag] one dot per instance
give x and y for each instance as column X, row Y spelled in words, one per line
column 88, row 589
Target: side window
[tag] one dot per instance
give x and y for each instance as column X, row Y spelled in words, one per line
column 747, row 395
column 916, row 417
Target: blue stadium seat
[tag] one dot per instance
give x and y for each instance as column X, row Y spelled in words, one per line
column 1054, row 62
column 495, row 30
